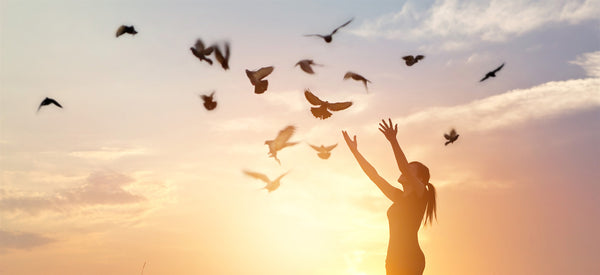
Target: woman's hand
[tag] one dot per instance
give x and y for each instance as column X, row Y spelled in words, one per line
column 388, row 131
column 352, row 144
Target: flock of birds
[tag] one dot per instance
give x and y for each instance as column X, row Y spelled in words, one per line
column 257, row 79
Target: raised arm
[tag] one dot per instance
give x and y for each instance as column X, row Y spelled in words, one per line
column 390, row 133
column 388, row 190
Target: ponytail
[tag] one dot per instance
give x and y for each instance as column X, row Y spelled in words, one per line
column 430, row 208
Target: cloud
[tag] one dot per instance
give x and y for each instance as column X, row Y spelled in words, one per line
column 459, row 21
column 109, row 153
column 590, row 62
column 100, row 188
column 14, row 240
column 516, row 106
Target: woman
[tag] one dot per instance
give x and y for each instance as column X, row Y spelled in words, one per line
column 404, row 255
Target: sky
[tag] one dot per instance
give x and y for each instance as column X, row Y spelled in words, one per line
column 133, row 175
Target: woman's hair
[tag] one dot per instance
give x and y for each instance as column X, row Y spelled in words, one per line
column 423, row 175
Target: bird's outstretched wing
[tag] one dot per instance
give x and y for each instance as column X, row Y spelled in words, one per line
column 52, row 101
column 329, row 148
column 499, row 68
column 343, row 25
column 484, row 78
column 338, row 106
column 199, row 45
column 452, row 132
column 446, row 136
column 419, row 57
column 263, row 72
column 305, row 66
column 313, row 99
column 322, row 36
column 256, row 175
column 281, row 176
column 318, row 148
column 349, row 75
column 223, row 59
column 284, row 135
column 121, row 30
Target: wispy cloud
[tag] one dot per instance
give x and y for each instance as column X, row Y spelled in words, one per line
column 109, row 153
column 458, row 21
column 100, row 188
column 512, row 107
column 20, row 240
column 590, row 62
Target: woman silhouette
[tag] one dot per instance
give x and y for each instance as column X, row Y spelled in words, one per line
column 417, row 197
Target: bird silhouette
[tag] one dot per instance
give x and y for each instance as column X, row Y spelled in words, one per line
column 357, row 77
column 410, row 60
column 305, row 65
column 322, row 111
column 451, row 137
column 281, row 141
column 492, row 73
column 260, row 86
column 201, row 52
column 324, row 152
column 126, row 29
column 272, row 185
column 328, row 37
column 48, row 101
column 222, row 59
column 209, row 103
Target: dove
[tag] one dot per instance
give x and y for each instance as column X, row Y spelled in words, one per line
column 222, row 59
column 492, row 73
column 328, row 37
column 280, row 142
column 305, row 65
column 48, row 101
column 410, row 60
column 201, row 52
column 126, row 29
column 451, row 137
column 324, row 152
column 357, row 77
column 209, row 103
column 272, row 185
column 322, row 111
column 260, row 86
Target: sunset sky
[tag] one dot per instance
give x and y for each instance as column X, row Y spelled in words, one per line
column 135, row 170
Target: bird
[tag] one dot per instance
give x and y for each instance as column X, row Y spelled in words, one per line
column 305, row 65
column 322, row 111
column 492, row 73
column 260, row 86
column 201, row 52
column 209, row 103
column 222, row 59
column 324, row 152
column 281, row 141
column 126, row 29
column 410, row 60
column 48, row 101
column 451, row 137
column 357, row 77
column 272, row 185
column 328, row 37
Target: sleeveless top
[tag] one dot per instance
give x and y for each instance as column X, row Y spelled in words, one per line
column 405, row 217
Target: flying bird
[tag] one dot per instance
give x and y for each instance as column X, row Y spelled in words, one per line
column 126, row 29
column 201, row 52
column 280, row 142
column 272, row 185
column 260, row 86
column 48, row 101
column 328, row 37
column 357, row 77
column 305, row 65
column 322, row 111
column 411, row 60
column 492, row 73
column 222, row 59
column 324, row 152
column 451, row 137
column 209, row 103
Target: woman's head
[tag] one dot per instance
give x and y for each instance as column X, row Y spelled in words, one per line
column 419, row 170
